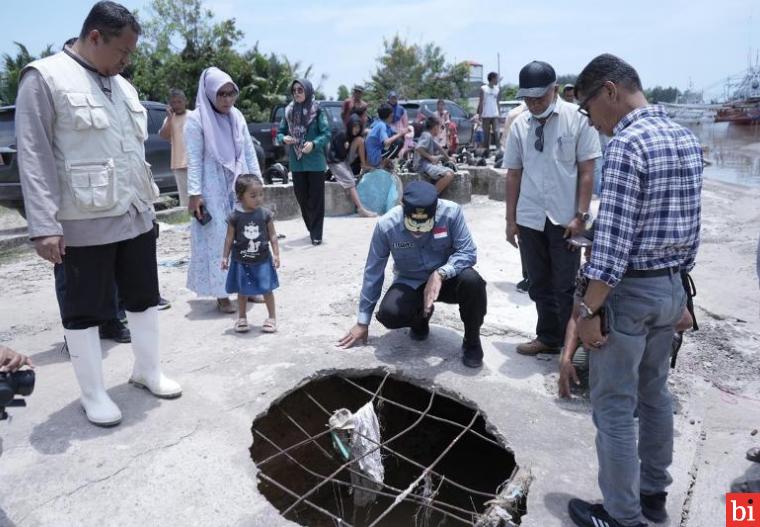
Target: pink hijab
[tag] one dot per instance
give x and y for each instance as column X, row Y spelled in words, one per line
column 222, row 133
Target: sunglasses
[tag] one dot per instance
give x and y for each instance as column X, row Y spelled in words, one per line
column 298, row 89
column 227, row 94
column 539, row 144
column 582, row 109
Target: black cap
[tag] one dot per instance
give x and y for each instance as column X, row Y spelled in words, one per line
column 535, row 79
column 419, row 202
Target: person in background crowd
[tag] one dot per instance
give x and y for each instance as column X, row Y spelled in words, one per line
column 433, row 254
column 400, row 124
column 488, row 111
column 101, row 239
column 429, row 154
column 355, row 105
column 306, row 131
column 219, row 149
column 645, row 237
column 551, row 146
column 524, row 284
column 444, row 117
column 568, row 94
column 173, row 130
column 347, row 159
column 383, row 143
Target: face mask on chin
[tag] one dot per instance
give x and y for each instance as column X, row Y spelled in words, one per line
column 546, row 113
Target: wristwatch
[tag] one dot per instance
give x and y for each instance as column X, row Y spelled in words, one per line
column 441, row 272
column 586, row 312
column 583, row 216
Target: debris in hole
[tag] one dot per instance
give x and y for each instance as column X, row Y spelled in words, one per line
column 393, row 454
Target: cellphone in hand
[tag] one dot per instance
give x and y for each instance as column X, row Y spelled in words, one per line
column 205, row 216
column 604, row 321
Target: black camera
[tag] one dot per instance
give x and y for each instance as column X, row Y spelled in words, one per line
column 19, row 383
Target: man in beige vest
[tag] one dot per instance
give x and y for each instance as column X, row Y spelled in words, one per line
column 88, row 193
column 173, row 130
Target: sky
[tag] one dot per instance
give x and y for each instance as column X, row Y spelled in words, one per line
column 669, row 42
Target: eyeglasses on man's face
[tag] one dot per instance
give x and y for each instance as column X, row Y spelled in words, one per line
column 583, row 106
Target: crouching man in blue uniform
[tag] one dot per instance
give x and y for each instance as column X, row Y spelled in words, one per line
column 433, row 253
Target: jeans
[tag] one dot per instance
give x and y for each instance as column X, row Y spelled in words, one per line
column 552, row 268
column 631, row 372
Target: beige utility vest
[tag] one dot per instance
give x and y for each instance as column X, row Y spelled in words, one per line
column 97, row 142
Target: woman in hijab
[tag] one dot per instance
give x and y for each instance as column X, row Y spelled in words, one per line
column 219, row 149
column 306, row 131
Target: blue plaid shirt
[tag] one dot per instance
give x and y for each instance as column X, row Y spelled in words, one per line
column 649, row 214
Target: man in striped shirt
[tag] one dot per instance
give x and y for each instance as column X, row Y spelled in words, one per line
column 646, row 235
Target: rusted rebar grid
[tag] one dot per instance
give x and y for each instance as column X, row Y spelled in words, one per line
column 427, row 470
column 354, row 460
column 413, row 498
column 293, row 447
column 359, row 473
column 340, row 521
column 414, row 410
column 411, row 461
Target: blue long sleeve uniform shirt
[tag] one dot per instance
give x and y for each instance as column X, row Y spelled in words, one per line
column 449, row 247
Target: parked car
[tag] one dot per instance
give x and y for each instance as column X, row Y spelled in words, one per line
column 505, row 107
column 426, row 107
column 157, row 153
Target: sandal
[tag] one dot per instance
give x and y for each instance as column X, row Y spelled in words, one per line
column 269, row 326
column 241, row 326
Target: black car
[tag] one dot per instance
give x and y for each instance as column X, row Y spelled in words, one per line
column 157, row 153
column 426, row 107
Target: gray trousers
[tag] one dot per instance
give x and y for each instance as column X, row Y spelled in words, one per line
column 630, row 372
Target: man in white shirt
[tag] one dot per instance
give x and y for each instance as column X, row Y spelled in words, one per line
column 550, row 155
column 488, row 110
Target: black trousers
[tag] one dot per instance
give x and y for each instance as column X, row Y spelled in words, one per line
column 310, row 194
column 60, row 291
column 401, row 307
column 91, row 272
column 552, row 268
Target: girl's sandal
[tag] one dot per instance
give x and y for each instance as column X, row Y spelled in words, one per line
column 241, row 326
column 269, row 326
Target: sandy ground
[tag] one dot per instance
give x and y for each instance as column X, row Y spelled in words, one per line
column 186, row 462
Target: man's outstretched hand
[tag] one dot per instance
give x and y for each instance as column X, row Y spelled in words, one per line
column 359, row 332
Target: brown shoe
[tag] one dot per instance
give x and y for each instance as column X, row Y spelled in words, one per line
column 534, row 347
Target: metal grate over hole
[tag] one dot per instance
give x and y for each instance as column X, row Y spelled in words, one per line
column 442, row 466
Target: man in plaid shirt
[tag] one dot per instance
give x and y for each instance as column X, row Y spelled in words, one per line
column 646, row 235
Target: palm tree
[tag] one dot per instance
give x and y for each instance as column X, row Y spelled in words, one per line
column 12, row 66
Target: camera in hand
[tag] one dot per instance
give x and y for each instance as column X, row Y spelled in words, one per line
column 15, row 383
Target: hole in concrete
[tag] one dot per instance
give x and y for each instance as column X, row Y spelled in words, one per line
column 437, row 454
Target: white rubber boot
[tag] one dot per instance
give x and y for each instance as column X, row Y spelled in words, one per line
column 147, row 370
column 87, row 360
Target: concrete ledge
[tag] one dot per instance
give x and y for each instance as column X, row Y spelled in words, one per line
column 497, row 185
column 281, row 200
column 337, row 200
column 459, row 191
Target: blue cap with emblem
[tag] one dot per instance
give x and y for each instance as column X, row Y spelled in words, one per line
column 419, row 202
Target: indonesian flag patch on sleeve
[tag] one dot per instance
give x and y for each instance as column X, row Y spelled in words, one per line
column 440, row 232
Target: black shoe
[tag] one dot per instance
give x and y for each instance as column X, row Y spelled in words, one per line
column 523, row 285
column 585, row 514
column 115, row 330
column 472, row 354
column 653, row 506
column 422, row 329
column 163, row 304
